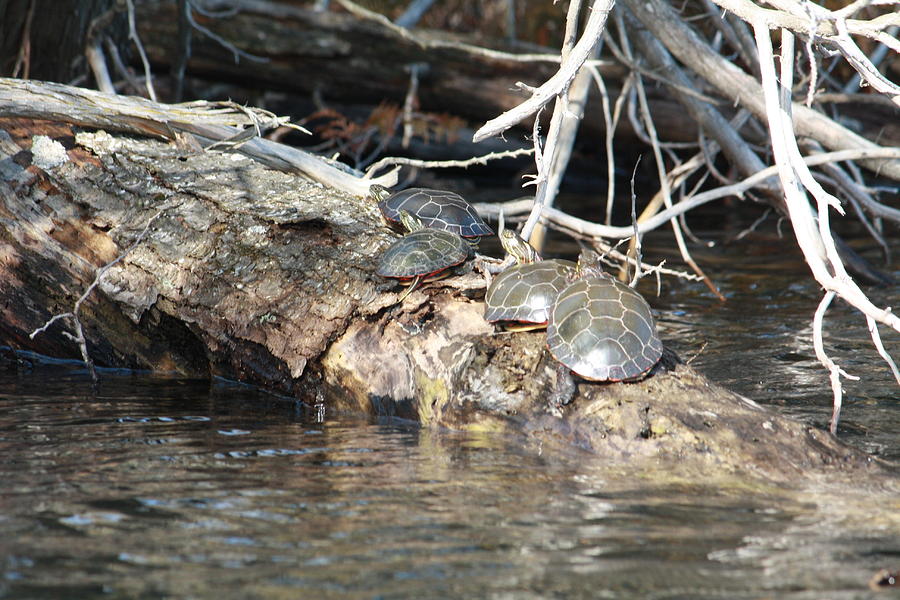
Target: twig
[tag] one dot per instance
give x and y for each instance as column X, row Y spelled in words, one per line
column 121, row 69
column 876, row 56
column 237, row 52
column 567, row 114
column 834, row 371
column 413, row 13
column 183, row 49
column 558, row 82
column 610, row 123
column 79, row 337
column 589, row 230
column 410, row 101
column 876, row 341
column 133, row 35
column 97, row 61
column 688, row 47
column 664, row 184
column 863, row 65
column 634, row 224
column 22, row 68
column 370, row 15
column 435, row 164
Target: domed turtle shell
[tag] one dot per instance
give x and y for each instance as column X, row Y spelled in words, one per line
column 524, row 294
column 424, row 253
column 603, row 330
column 437, row 209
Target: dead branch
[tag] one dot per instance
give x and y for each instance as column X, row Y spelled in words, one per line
column 209, row 122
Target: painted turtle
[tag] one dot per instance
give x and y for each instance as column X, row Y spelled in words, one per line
column 436, row 209
column 602, row 329
column 520, row 298
column 422, row 254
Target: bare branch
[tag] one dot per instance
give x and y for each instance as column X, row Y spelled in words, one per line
column 559, row 82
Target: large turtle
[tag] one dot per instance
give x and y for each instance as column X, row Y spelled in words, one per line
column 520, row 298
column 436, row 209
column 422, row 254
column 602, row 329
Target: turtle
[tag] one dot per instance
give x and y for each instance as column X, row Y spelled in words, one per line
column 436, row 209
column 601, row 329
column 520, row 298
column 422, row 255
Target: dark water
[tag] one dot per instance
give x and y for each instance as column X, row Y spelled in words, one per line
column 160, row 488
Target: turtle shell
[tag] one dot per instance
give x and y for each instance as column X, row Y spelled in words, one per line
column 525, row 293
column 423, row 253
column 603, row 330
column 437, row 209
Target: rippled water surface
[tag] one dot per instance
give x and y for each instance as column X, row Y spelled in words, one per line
column 159, row 488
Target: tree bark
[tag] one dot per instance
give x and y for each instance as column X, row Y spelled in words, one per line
column 268, row 278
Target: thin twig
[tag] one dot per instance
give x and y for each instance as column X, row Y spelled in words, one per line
column 442, row 164
column 589, row 230
column 79, row 337
column 133, row 35
column 237, row 52
column 558, row 82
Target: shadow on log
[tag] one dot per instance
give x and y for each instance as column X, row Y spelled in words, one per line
column 263, row 277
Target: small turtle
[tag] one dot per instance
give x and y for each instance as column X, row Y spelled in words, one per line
column 436, row 209
column 520, row 298
column 422, row 254
column 602, row 329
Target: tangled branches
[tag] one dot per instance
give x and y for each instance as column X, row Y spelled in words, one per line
column 691, row 64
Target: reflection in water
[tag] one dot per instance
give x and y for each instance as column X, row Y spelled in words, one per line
column 166, row 488
column 760, row 343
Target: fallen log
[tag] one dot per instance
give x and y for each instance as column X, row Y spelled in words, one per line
column 211, row 264
column 343, row 58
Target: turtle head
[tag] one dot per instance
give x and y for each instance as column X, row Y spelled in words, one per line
column 409, row 221
column 514, row 245
column 378, row 192
column 589, row 265
column 517, row 247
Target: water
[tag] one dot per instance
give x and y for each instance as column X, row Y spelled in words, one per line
column 150, row 487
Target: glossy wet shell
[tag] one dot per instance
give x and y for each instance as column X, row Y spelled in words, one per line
column 437, row 209
column 422, row 253
column 525, row 293
column 603, row 330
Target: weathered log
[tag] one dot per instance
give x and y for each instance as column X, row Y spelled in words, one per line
column 263, row 277
column 343, row 58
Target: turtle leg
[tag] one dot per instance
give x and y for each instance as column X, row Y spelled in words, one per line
column 412, row 286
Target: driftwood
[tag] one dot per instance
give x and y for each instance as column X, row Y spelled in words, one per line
column 219, row 266
column 345, row 58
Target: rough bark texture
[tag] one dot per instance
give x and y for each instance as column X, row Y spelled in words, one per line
column 246, row 272
column 264, row 277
